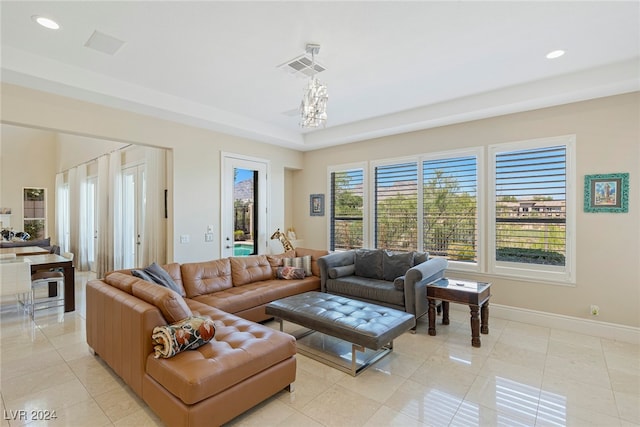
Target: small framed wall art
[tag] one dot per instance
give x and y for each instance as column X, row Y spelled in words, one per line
column 606, row 193
column 316, row 205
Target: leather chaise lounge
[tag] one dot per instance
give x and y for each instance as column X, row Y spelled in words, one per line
column 245, row 362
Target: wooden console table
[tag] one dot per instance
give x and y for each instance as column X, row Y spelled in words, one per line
column 474, row 294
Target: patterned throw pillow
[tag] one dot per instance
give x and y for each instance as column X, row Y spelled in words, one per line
column 289, row 273
column 303, row 262
column 187, row 334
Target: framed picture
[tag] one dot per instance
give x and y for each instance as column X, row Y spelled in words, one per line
column 606, row 193
column 316, row 205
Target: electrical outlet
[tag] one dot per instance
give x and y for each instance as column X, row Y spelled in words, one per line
column 595, row 310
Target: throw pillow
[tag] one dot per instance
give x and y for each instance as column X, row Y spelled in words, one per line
column 396, row 264
column 345, row 270
column 398, row 283
column 303, row 262
column 156, row 274
column 187, row 334
column 141, row 274
column 276, row 260
column 369, row 263
column 289, row 273
column 420, row 257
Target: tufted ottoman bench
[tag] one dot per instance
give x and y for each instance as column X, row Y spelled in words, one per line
column 364, row 325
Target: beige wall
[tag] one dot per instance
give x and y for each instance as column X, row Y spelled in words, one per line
column 196, row 157
column 607, row 132
column 608, row 248
column 25, row 161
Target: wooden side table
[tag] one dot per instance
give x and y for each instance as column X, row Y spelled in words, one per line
column 474, row 294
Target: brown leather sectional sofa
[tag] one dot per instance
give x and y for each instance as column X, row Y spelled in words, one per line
column 245, row 362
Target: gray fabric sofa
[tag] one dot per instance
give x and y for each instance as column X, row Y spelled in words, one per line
column 43, row 243
column 393, row 279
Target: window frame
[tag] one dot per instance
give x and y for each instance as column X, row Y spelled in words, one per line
column 35, row 219
column 538, row 272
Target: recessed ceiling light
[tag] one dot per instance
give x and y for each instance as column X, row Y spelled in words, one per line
column 46, row 22
column 555, row 54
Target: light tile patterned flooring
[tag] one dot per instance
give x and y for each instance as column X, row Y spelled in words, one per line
column 523, row 375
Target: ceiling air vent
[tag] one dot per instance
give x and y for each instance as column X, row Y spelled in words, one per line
column 301, row 66
column 104, row 43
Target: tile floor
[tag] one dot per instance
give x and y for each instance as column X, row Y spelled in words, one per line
column 523, row 375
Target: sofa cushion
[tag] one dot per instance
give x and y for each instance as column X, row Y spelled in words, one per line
column 289, row 273
column 276, row 260
column 201, row 278
column 376, row 291
column 395, row 264
column 249, row 269
column 303, row 262
column 315, row 254
column 369, row 263
column 340, row 271
column 156, row 274
column 240, row 350
column 247, row 297
column 187, row 334
column 121, row 280
column 170, row 303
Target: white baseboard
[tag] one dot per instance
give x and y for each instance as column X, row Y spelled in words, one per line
column 559, row 321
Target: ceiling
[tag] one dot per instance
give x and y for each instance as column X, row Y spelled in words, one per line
column 392, row 66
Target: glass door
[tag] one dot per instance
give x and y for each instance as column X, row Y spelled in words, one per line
column 133, row 204
column 244, row 209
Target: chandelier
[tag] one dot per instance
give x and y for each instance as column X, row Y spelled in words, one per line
column 313, row 109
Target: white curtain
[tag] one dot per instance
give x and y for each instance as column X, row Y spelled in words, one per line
column 61, row 206
column 82, row 252
column 115, row 209
column 104, row 262
column 154, row 235
column 74, row 211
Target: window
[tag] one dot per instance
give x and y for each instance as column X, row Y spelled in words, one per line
column 346, row 228
column 532, row 208
column 519, row 222
column 396, row 203
column 450, row 208
column 34, row 212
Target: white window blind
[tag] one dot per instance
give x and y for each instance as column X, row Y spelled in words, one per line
column 450, row 213
column 396, row 195
column 530, row 211
column 347, row 210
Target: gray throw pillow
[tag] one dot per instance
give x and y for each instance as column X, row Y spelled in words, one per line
column 156, row 274
column 345, row 270
column 420, row 257
column 396, row 264
column 369, row 263
column 398, row 283
column 142, row 275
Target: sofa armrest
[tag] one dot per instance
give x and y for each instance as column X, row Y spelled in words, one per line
column 415, row 284
column 334, row 259
column 119, row 328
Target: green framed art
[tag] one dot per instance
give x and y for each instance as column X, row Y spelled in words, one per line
column 606, row 193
